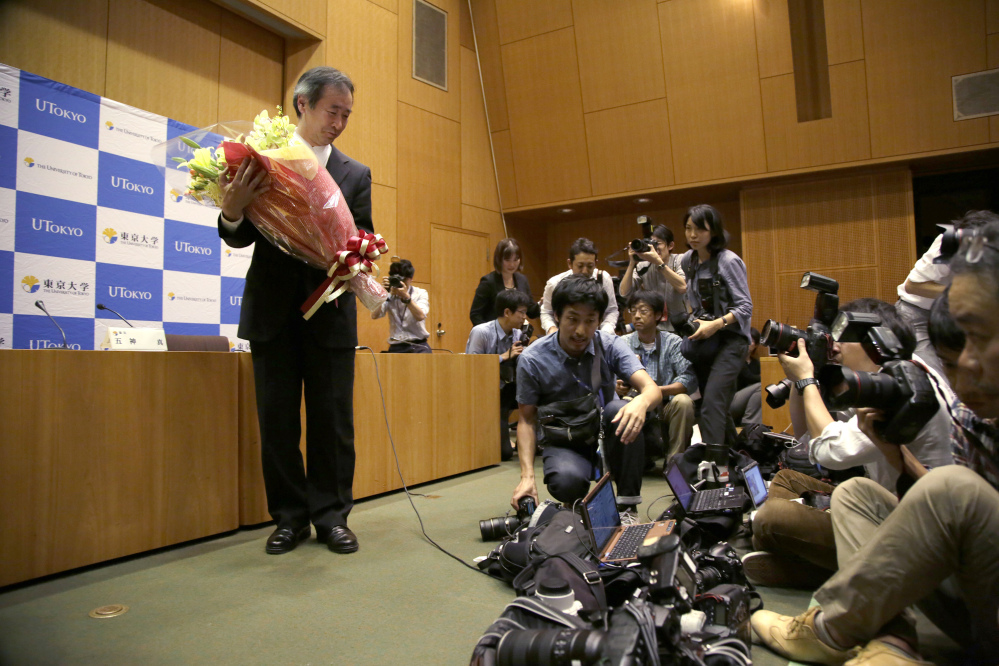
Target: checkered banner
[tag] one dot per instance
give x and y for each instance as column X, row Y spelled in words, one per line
column 87, row 218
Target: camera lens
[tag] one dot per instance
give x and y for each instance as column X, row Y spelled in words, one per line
column 494, row 529
column 638, row 245
column 544, row 647
column 778, row 394
column 781, row 337
column 865, row 389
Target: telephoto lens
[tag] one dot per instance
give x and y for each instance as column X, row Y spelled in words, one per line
column 778, row 394
column 781, row 337
column 865, row 389
column 554, row 647
column 494, row 529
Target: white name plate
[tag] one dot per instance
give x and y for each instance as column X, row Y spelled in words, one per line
column 135, row 339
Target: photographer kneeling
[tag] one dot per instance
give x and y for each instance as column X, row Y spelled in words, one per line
column 794, row 543
column 555, row 378
column 407, row 308
column 503, row 337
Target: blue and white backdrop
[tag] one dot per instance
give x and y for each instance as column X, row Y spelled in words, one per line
column 86, row 217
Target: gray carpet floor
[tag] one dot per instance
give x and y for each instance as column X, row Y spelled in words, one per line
column 223, row 600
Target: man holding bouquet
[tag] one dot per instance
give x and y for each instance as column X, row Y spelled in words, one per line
column 289, row 351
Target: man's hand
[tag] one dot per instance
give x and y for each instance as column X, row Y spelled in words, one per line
column 707, row 328
column 621, row 388
column 513, row 352
column 866, row 419
column 526, row 488
column 251, row 180
column 630, row 419
column 399, row 292
column 797, row 367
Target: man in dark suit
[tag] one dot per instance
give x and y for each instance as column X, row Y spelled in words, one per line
column 289, row 351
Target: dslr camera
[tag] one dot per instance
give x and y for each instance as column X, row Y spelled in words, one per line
column 494, row 529
column 902, row 390
column 646, row 243
column 396, row 282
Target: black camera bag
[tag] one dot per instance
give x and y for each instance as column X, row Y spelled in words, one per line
column 521, row 613
column 704, row 351
column 563, row 532
column 576, row 422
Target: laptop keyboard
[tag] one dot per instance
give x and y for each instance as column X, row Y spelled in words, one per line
column 719, row 498
column 631, row 538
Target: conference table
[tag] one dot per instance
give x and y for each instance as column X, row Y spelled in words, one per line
column 106, row 454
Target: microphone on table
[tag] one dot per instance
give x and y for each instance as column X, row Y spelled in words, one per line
column 101, row 306
column 41, row 306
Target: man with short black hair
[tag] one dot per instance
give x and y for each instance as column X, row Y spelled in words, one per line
column 670, row 370
column 504, row 337
column 559, row 368
column 407, row 307
column 658, row 270
column 582, row 261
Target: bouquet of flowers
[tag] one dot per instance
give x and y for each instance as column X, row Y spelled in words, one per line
column 303, row 213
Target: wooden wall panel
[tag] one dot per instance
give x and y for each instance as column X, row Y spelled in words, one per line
column 757, row 213
column 487, row 43
column 446, row 103
column 992, row 16
column 521, row 19
column 896, row 230
column 299, row 56
column 629, row 148
column 845, row 137
column 844, row 31
column 30, row 31
column 155, row 41
column 771, row 373
column 466, row 34
column 546, row 118
column 484, row 222
column 993, row 54
column 715, row 112
column 251, row 70
column 620, row 60
column 460, row 259
column 309, row 13
column 505, row 171
column 363, row 42
column 391, row 5
column 478, row 178
column 773, row 37
column 429, row 182
column 913, row 48
column 533, row 240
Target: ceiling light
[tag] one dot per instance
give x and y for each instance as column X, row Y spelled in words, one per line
column 643, row 200
column 565, row 210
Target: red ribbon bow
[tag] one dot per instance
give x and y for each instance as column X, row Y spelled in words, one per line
column 357, row 257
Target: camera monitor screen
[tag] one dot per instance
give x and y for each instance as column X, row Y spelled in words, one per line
column 757, row 486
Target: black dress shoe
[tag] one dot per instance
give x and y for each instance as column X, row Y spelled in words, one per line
column 285, row 539
column 339, row 539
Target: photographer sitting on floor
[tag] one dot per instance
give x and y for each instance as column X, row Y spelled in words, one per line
column 555, row 384
column 407, row 308
column 794, row 542
column 672, row 373
column 503, row 337
column 895, row 553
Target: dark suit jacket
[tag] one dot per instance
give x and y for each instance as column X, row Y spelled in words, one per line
column 484, row 303
column 277, row 284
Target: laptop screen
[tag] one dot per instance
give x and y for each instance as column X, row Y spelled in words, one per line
column 679, row 486
column 757, row 486
column 601, row 508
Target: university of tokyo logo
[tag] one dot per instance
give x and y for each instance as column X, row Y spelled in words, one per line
column 110, row 125
column 176, row 196
column 171, row 296
column 30, row 162
column 228, row 252
column 110, row 236
column 30, row 284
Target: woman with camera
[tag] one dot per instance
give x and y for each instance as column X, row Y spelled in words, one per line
column 507, row 275
column 717, row 333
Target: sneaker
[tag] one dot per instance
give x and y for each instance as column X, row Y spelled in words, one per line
column 795, row 637
column 773, row 570
column 628, row 518
column 881, row 653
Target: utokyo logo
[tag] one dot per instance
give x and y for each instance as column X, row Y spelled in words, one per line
column 30, row 284
column 236, row 300
column 126, row 184
column 53, row 228
column 30, row 162
column 110, row 236
column 110, row 125
column 176, row 196
column 122, row 292
column 43, row 106
column 188, row 248
column 171, row 296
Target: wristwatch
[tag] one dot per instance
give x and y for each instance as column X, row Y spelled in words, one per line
column 407, row 301
column 802, row 383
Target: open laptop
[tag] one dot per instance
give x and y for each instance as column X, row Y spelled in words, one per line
column 705, row 501
column 755, row 484
column 616, row 542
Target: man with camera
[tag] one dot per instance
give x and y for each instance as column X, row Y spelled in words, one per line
column 582, row 261
column 407, row 307
column 794, row 541
column 652, row 266
column 660, row 354
column 504, row 337
column 565, row 391
column 943, row 533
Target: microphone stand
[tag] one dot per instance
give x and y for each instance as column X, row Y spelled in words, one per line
column 41, row 306
column 101, row 306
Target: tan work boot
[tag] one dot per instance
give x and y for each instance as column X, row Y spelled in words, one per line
column 881, row 653
column 795, row 637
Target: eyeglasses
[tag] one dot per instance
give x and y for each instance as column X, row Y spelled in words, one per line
column 974, row 248
column 970, row 242
column 645, row 312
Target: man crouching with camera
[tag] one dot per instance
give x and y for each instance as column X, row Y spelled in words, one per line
column 565, row 392
column 407, row 308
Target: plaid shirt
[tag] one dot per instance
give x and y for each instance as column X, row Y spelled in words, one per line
column 974, row 442
column 665, row 364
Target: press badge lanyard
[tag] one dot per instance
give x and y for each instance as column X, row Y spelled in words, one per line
column 595, row 377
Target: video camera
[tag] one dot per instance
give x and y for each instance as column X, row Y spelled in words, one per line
column 646, row 243
column 902, row 390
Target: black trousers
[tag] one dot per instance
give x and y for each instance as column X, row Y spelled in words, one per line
column 281, row 367
column 717, row 379
column 419, row 347
column 508, row 403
